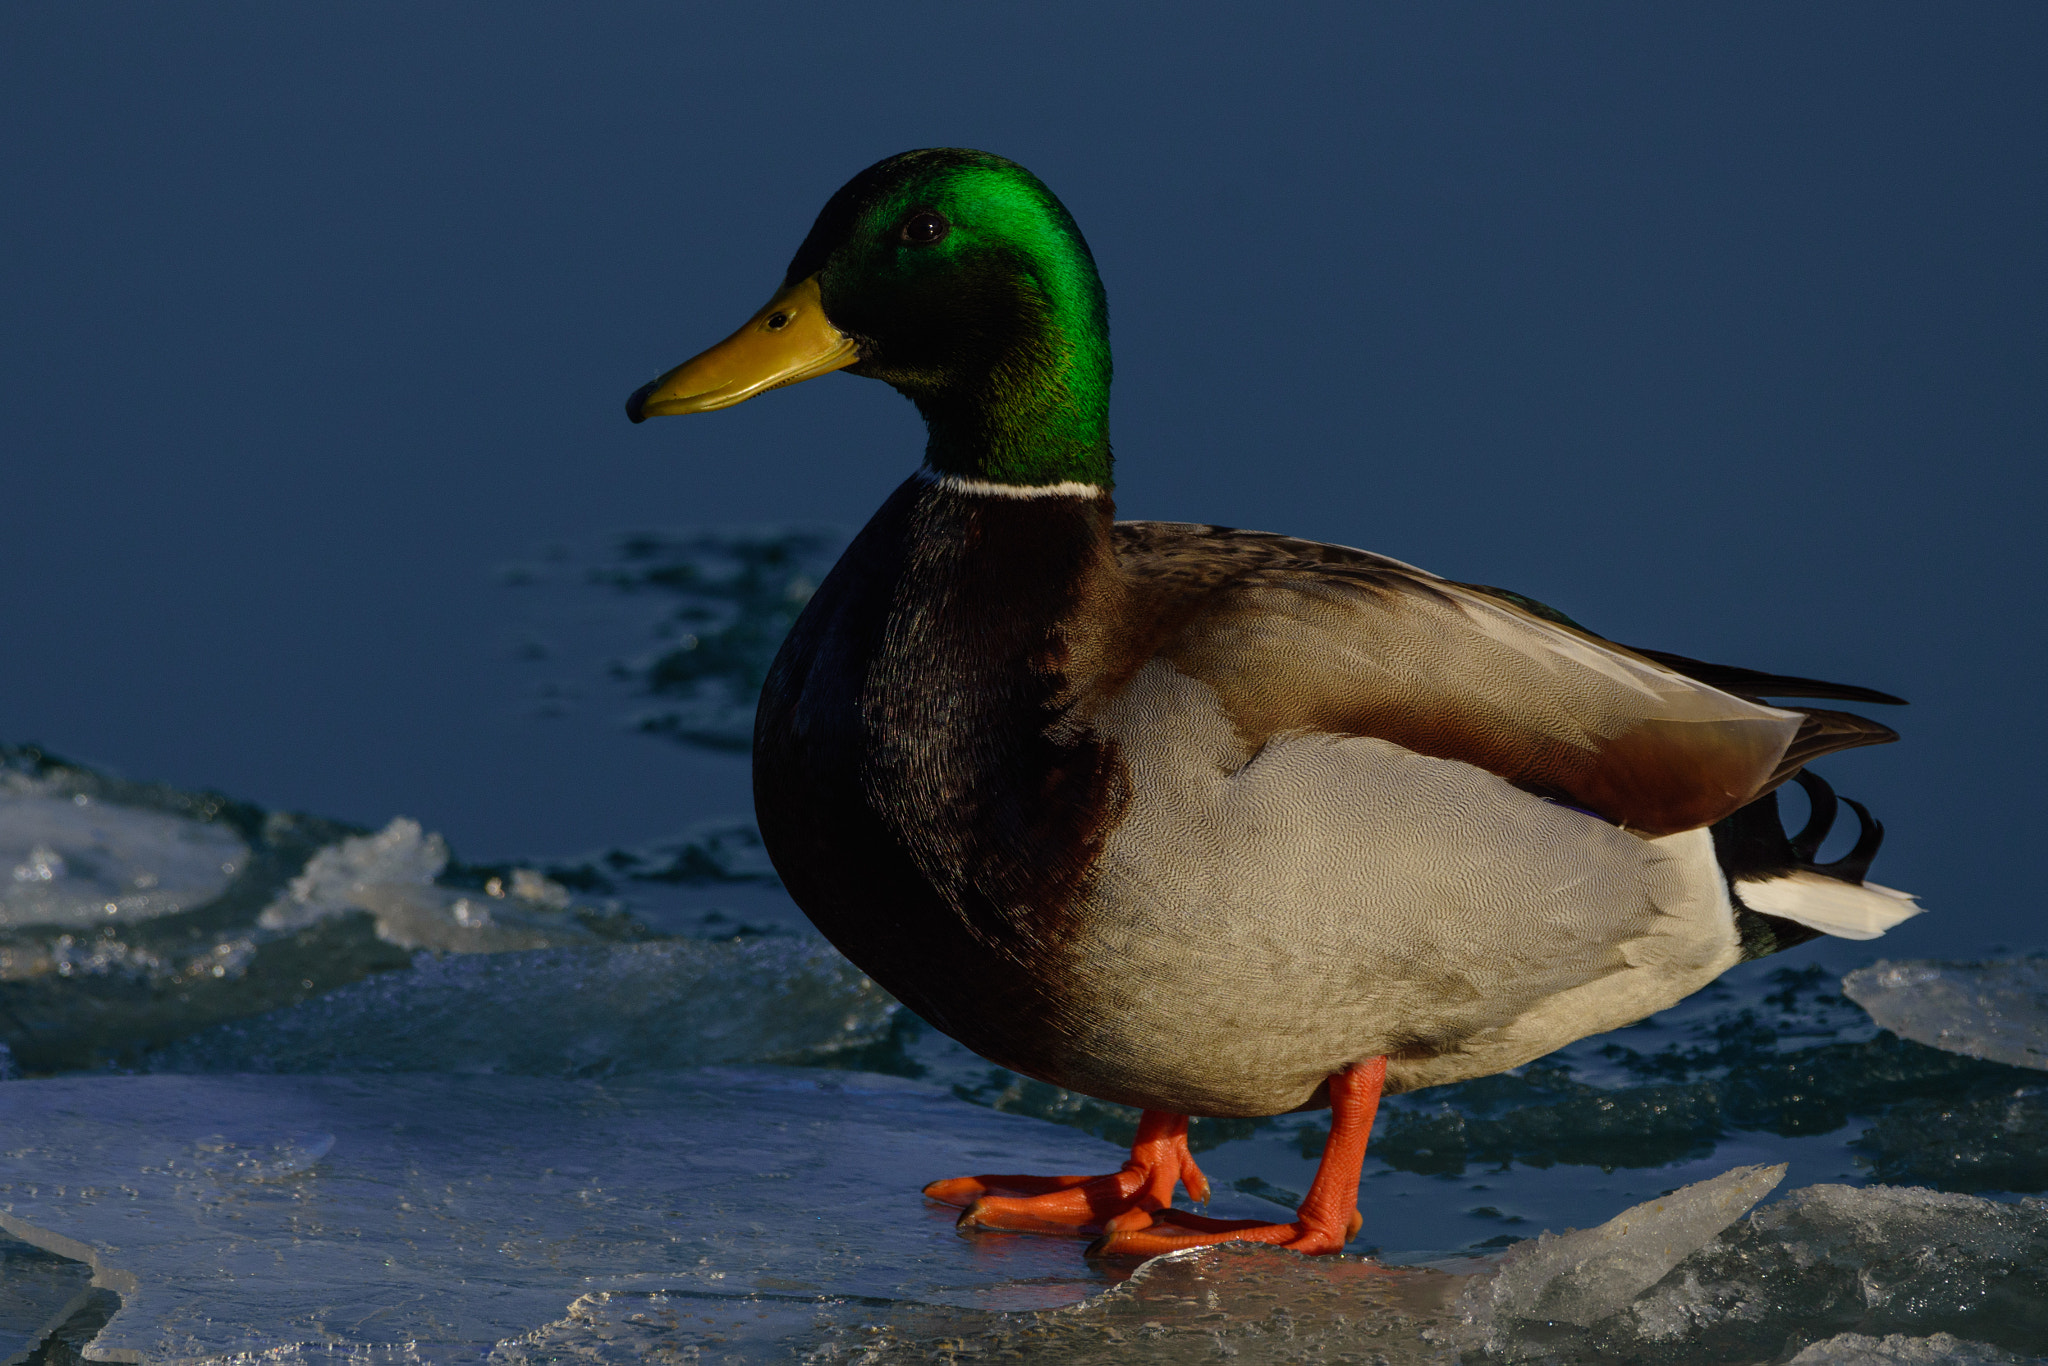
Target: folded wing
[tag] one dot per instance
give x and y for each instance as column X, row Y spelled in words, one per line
column 1298, row 636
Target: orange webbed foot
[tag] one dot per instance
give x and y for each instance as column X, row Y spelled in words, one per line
column 1132, row 1208
column 1124, row 1200
column 1328, row 1218
column 1175, row 1230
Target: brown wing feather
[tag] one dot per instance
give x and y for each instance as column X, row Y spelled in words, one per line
column 1293, row 635
column 1823, row 732
column 1754, row 683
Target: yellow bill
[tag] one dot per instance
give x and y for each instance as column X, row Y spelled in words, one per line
column 787, row 341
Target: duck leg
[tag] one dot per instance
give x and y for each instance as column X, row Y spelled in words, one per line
column 1328, row 1218
column 1125, row 1199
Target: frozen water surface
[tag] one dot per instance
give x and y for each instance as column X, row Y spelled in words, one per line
column 38, row 1291
column 770, row 1214
column 74, row 863
column 565, row 1012
column 527, row 1219
column 396, row 1097
column 1996, row 1010
column 314, row 905
column 249, row 1214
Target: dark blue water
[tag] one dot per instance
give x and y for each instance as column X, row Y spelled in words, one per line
column 1718, row 329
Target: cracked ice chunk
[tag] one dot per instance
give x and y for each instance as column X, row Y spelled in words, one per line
column 38, row 1291
column 564, row 1012
column 391, row 875
column 71, row 861
column 1876, row 1260
column 127, row 910
column 1582, row 1276
column 1995, row 1010
column 1822, row 1262
column 399, row 855
column 1896, row 1349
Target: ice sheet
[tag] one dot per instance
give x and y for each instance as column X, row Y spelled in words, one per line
column 1995, row 1010
column 38, row 1291
column 240, row 1214
column 1263, row 1305
column 311, row 906
column 90, row 997
column 565, row 1012
column 758, row 1213
column 73, row 862
column 1246, row 1304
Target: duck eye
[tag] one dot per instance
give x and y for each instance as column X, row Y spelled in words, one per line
column 777, row 321
column 925, row 228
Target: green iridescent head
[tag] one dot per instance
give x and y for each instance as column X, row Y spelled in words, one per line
column 958, row 278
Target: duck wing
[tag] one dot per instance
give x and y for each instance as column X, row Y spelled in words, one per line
column 1821, row 730
column 1755, row 683
column 1294, row 635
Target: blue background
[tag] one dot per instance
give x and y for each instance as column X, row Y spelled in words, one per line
column 1720, row 327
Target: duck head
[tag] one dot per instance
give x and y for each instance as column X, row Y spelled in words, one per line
column 958, row 278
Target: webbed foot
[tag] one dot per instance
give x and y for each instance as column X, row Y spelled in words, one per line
column 1127, row 1199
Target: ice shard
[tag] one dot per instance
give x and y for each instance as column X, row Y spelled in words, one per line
column 73, row 862
column 1993, row 1010
column 1582, row 1276
column 1900, row 1349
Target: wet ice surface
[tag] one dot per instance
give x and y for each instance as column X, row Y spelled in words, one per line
column 1996, row 1010
column 238, row 1214
column 499, row 1012
column 768, row 1214
column 38, row 1291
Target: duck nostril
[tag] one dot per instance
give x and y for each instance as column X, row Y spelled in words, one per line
column 777, row 321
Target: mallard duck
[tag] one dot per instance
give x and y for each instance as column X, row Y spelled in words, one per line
column 1209, row 821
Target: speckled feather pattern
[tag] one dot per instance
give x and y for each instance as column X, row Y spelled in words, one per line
column 1264, row 919
column 1190, row 818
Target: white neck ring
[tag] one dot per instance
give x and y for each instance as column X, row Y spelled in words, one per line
column 985, row 488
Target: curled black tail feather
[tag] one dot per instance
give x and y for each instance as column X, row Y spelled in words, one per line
column 1820, row 817
column 1855, row 865
column 1752, row 846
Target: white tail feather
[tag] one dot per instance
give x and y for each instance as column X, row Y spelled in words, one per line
column 1829, row 905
